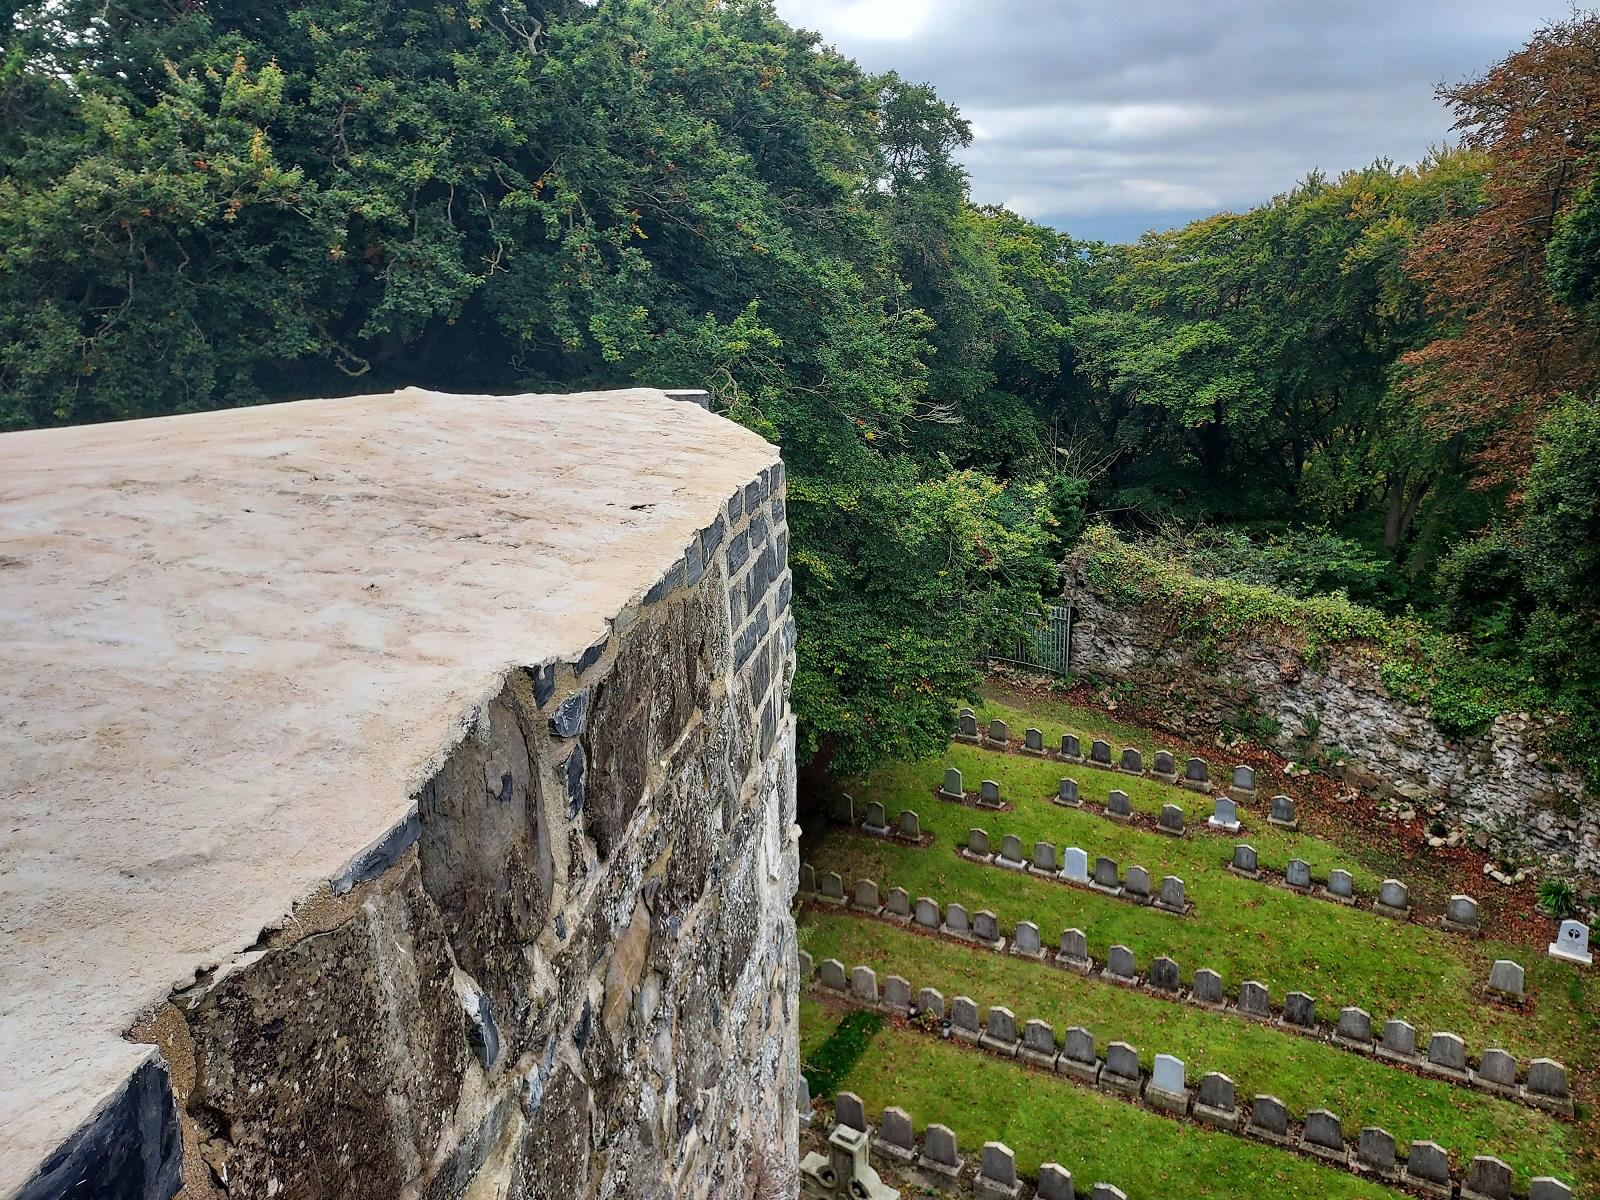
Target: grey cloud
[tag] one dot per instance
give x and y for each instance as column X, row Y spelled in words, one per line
column 1105, row 119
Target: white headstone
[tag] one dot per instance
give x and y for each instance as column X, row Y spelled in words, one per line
column 1075, row 865
column 1572, row 943
column 1225, row 815
column 1168, row 1074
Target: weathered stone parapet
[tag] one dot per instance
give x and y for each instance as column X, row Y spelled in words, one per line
column 569, row 969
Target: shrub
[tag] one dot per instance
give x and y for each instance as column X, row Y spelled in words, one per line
column 1557, row 897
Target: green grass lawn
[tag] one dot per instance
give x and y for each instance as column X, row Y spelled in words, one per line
column 1302, row 1072
column 1096, row 1137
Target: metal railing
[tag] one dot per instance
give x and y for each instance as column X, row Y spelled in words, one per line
column 1048, row 648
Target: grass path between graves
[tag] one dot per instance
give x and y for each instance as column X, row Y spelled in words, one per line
column 1096, row 1137
column 1302, row 1072
column 1241, row 928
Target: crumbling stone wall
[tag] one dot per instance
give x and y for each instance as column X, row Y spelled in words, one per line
column 572, row 972
column 1499, row 779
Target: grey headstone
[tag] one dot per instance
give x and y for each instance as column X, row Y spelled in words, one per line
column 1355, row 1024
column 1171, row 818
column 1462, row 910
column 1011, row 849
column 1322, row 1129
column 1498, row 1067
column 864, row 984
column 897, row 993
column 1164, row 974
column 844, row 809
column 1547, row 1077
column 1548, row 1187
column 1429, row 1161
column 802, row 1098
column 1282, row 810
column 808, row 877
column 985, row 926
column 832, row 974
column 1105, row 871
column 1105, row 1191
column 1067, row 793
column 978, row 842
column 952, row 783
column 849, row 1111
column 1117, row 804
column 1071, row 747
column 1196, row 771
column 832, row 885
column 877, row 818
column 1400, row 1037
column 955, row 919
column 1055, row 1182
column 1080, row 1045
column 1164, row 764
column 931, row 1000
column 1207, row 986
column 1268, row 1113
column 1224, row 813
column 1300, row 1009
column 1217, row 1091
column 895, row 1129
column 1393, row 894
column 1132, row 761
column 1100, row 752
column 1244, row 858
column 1044, row 857
column 989, row 793
column 939, row 1146
column 1244, row 778
column 866, row 895
column 998, row 731
column 1074, row 945
column 1490, row 1177
column 1075, row 865
column 1027, row 938
column 910, row 825
column 1375, row 1149
column 1341, row 884
column 1119, row 962
column 998, row 1164
column 1167, row 1074
column 899, row 902
column 1137, row 883
column 1506, row 976
column 1448, row 1051
column 1038, row 1037
column 1253, row 999
column 1172, row 894
column 927, row 912
column 968, row 723
column 964, row 1013
column 806, row 968
column 1298, row 873
column 1032, row 739
column 1001, row 1025
column 1122, row 1060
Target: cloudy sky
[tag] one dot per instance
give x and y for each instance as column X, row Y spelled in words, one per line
column 1109, row 117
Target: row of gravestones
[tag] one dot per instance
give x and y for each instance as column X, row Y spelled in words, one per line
column 940, row 1158
column 875, row 819
column 1225, row 812
column 1171, row 896
column 1496, row 1071
column 1196, row 771
column 1393, row 900
column 1166, row 1089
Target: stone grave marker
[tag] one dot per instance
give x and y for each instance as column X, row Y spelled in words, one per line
column 832, row 975
column 1572, row 943
column 1117, row 806
column 1032, row 741
column 1163, row 976
column 1074, row 950
column 1055, row 1182
column 1100, row 753
column 1497, row 1071
column 964, row 1019
column 805, row 967
column 900, row 904
column 1253, row 1001
column 978, row 845
column 1548, row 1187
column 1355, row 1028
column 1170, row 821
column 952, row 788
column 1461, row 915
column 1164, row 767
column 998, row 734
column 967, row 726
column 1044, row 858
column 1026, row 940
column 1341, row 887
column 1375, row 1150
column 1105, row 1191
column 956, row 922
column 849, row 1111
column 897, row 994
column 1071, row 749
column 986, row 929
column 1447, row 1055
column 1244, row 783
column 1269, row 1119
column 1224, row 814
column 866, row 897
column 1067, row 794
column 1119, row 964
column 844, row 809
column 1298, row 875
column 1075, row 865
column 808, row 877
column 927, row 912
column 1429, row 1165
column 1011, row 853
column 864, row 985
column 1132, row 762
column 1172, row 899
column 1121, row 1071
column 1393, row 900
column 1487, row 1178
column 1547, row 1077
column 1506, row 978
column 1399, row 1040
column 1245, row 862
column 1000, row 1031
column 876, row 821
column 997, row 1173
column 1078, row 1058
column 1167, row 1090
column 1039, row 1044
column 802, row 1099
column 1105, row 875
column 896, row 1138
column 1207, row 988
column 1217, row 1101
column 1300, row 1010
column 989, row 794
column 832, row 887
column 1197, row 775
column 1282, row 814
column 931, row 1000
column 940, row 1152
column 1136, row 885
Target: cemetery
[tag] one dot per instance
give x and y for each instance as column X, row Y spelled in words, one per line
column 1147, row 969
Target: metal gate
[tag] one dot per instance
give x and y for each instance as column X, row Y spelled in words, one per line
column 1048, row 648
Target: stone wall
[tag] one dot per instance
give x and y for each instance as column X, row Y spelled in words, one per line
column 1501, row 779
column 572, row 972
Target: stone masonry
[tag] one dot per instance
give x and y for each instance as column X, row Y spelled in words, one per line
column 439, row 748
